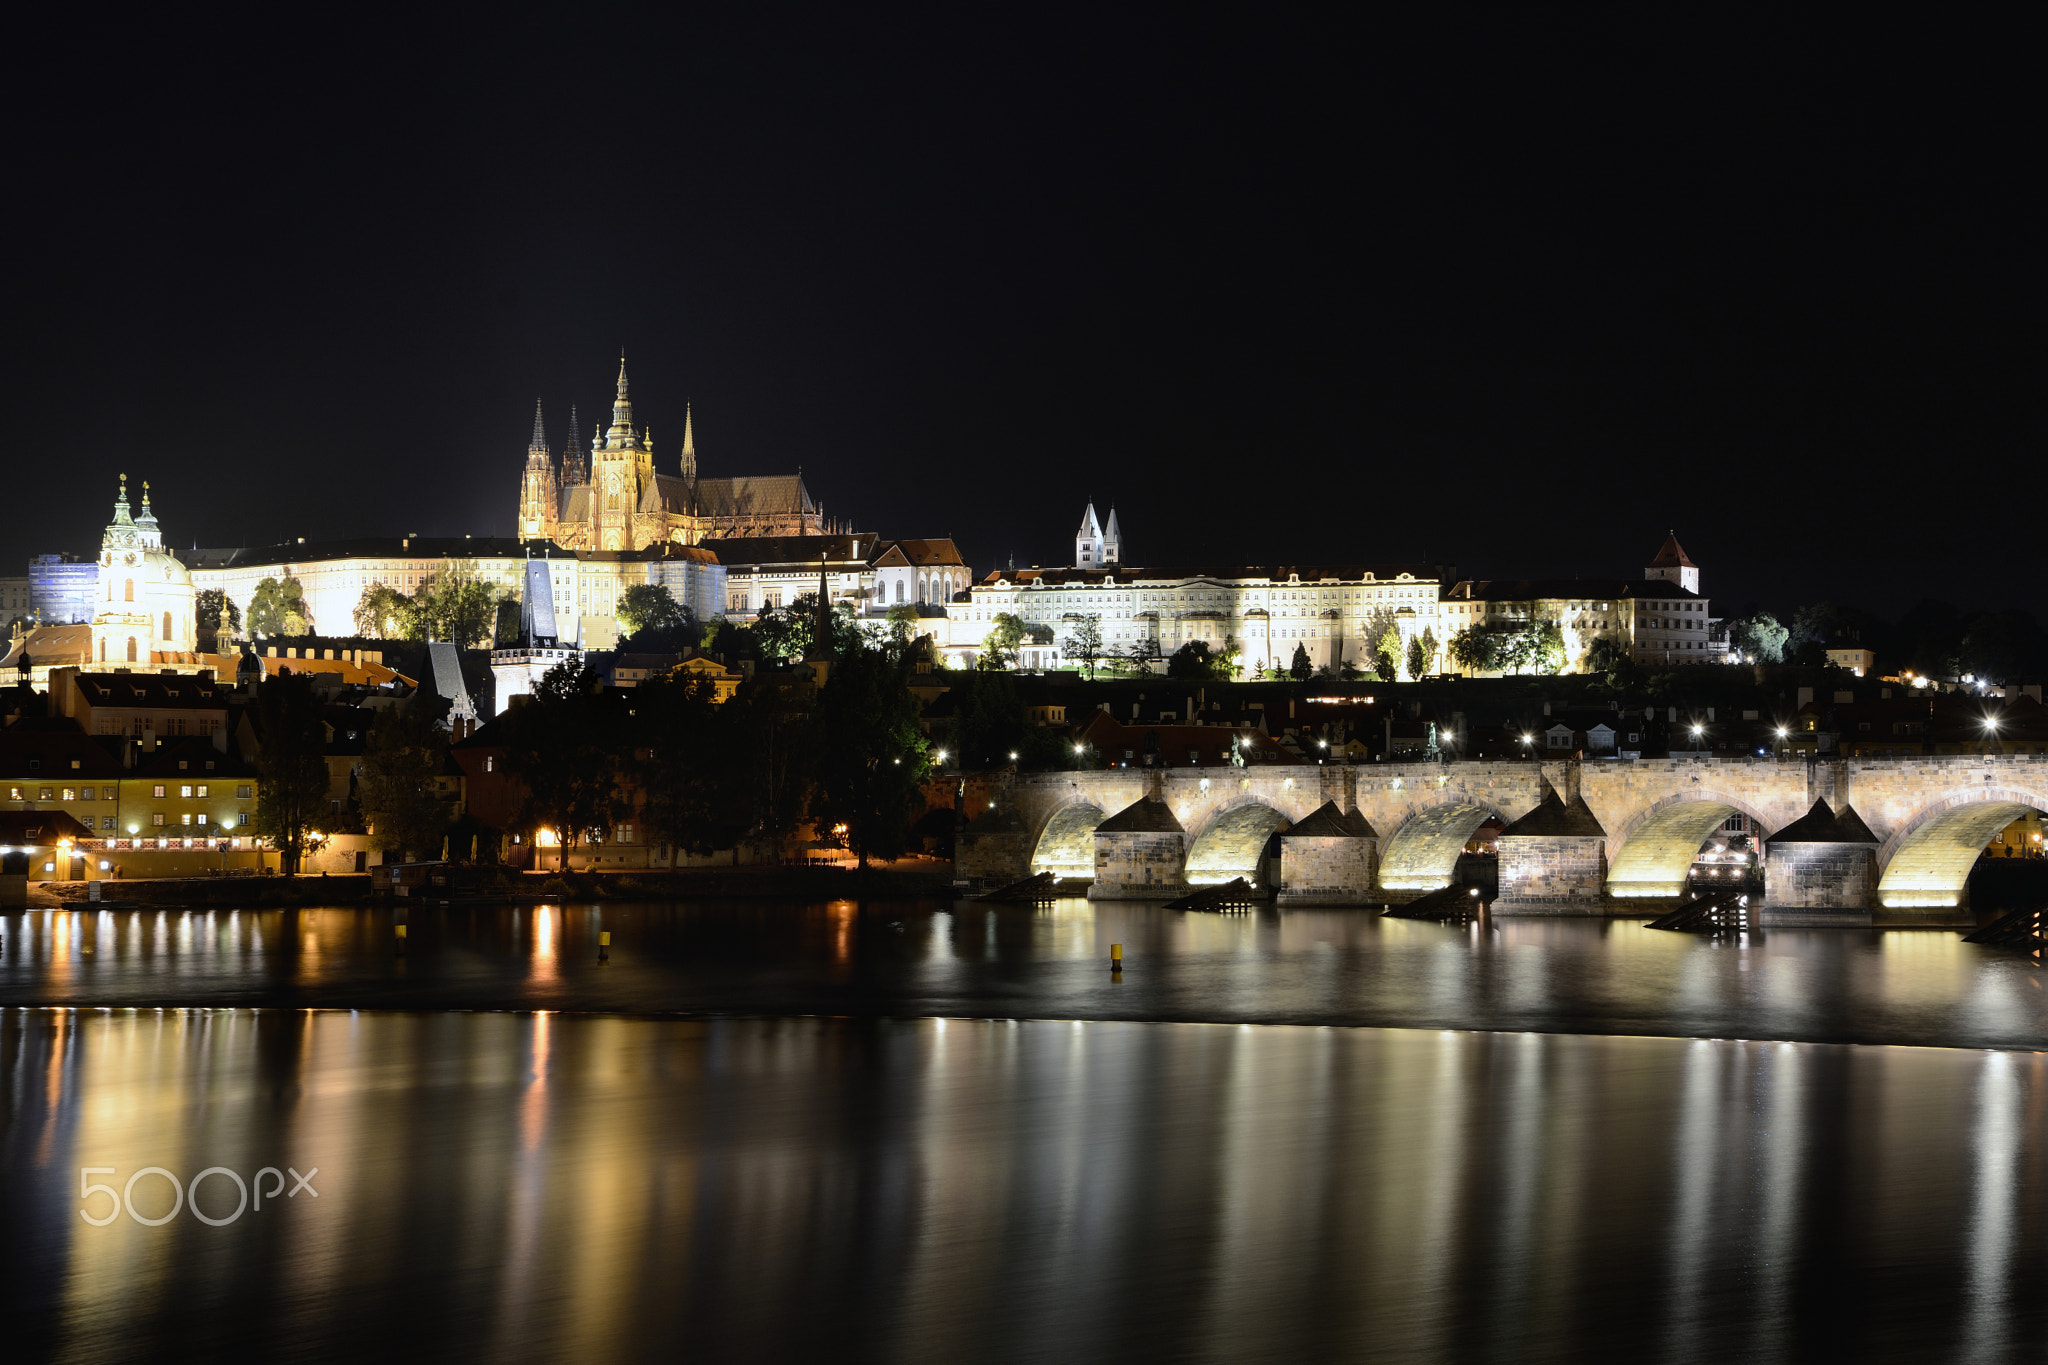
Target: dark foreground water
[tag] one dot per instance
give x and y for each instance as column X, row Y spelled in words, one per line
column 912, row 960
column 583, row 1188
column 935, row 1132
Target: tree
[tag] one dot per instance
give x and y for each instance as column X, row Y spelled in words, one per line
column 872, row 755
column 1610, row 656
column 1084, row 642
column 1191, row 660
column 1005, row 633
column 1381, row 638
column 1478, row 648
column 2005, row 646
column 383, row 613
column 453, row 605
column 699, row 790
column 402, row 760
column 1759, row 638
column 903, row 621
column 206, row 610
column 1299, row 668
column 291, row 766
column 278, row 607
column 564, row 745
column 506, row 630
column 988, row 721
column 1418, row 657
column 651, row 606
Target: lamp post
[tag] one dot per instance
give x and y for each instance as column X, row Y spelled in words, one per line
column 1990, row 735
column 1782, row 733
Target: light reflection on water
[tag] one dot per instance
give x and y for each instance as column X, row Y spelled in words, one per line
column 918, row 959
column 536, row 1186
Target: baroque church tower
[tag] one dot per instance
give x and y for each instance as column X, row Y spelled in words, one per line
column 539, row 496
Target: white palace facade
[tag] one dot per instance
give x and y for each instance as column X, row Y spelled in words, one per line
column 1264, row 611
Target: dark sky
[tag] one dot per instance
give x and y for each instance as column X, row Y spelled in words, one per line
column 1514, row 289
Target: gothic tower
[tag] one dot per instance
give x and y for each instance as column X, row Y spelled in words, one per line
column 574, row 471
column 1112, row 541
column 621, row 472
column 539, row 498
column 689, row 450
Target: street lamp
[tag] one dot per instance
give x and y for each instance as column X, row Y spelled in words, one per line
column 1991, row 734
column 1527, row 741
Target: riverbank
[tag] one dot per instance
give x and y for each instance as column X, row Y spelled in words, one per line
column 907, row 879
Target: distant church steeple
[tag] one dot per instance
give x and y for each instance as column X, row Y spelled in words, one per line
column 1088, row 541
column 689, row 449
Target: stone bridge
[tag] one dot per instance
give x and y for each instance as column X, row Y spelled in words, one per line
column 1844, row 839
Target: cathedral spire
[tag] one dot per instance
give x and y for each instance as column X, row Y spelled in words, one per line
column 689, row 448
column 622, row 407
column 540, row 435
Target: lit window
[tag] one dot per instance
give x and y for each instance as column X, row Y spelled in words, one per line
column 157, row 818
column 70, row 794
column 157, row 790
column 241, row 817
column 202, row 817
column 106, row 822
column 202, row 789
column 185, row 791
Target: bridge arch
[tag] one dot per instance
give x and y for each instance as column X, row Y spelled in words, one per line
column 1423, row 853
column 1658, row 847
column 1066, row 846
column 1233, row 843
column 1927, row 863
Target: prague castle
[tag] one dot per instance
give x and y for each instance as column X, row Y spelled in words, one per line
column 615, row 499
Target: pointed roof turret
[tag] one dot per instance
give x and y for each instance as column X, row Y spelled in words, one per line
column 1112, row 533
column 540, row 435
column 1672, row 555
column 1090, row 527
column 147, row 517
column 689, row 437
column 121, row 517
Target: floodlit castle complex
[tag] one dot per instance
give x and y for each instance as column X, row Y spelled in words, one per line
column 615, row 499
column 1264, row 611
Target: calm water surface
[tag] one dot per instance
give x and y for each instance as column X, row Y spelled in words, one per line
column 907, row 960
column 551, row 1187
column 935, row 1132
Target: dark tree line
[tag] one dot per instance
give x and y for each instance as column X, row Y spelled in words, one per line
column 849, row 754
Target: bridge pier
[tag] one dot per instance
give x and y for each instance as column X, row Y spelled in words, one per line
column 1140, row 854
column 1329, row 858
column 1821, row 870
column 1553, row 861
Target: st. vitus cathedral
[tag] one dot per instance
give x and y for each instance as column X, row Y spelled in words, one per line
column 615, row 499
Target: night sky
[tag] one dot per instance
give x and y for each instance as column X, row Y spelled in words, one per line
column 1515, row 290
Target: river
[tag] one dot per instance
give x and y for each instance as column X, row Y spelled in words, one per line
column 936, row 1133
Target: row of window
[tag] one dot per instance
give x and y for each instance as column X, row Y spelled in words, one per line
column 189, row 791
